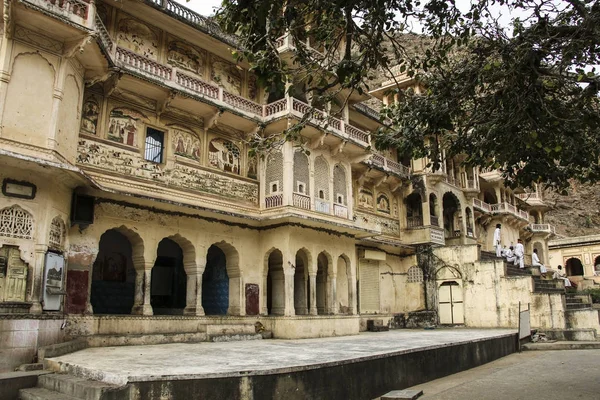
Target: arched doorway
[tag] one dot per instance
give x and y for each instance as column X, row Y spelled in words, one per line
column 113, row 275
column 433, row 212
column 169, row 281
column 215, row 283
column 301, row 284
column 343, row 285
column 451, row 213
column 322, row 289
column 414, row 210
column 574, row 267
column 450, row 300
column 275, row 284
column 597, row 266
column 489, row 197
column 469, row 217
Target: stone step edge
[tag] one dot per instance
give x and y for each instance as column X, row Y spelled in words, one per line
column 38, row 393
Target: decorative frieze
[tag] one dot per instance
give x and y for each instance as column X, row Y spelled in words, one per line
column 388, row 226
column 130, row 163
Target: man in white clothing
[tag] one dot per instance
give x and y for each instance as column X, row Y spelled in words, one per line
column 520, row 254
column 510, row 255
column 559, row 275
column 535, row 261
column 497, row 241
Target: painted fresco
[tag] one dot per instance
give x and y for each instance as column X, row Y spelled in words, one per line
column 383, row 204
column 184, row 56
column 123, row 126
column 365, row 198
column 227, row 75
column 252, row 168
column 224, row 155
column 186, row 144
column 89, row 117
column 131, row 163
column 137, row 37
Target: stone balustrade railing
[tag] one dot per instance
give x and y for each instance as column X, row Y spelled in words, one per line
column 274, row 201
column 415, row 221
column 501, row 208
column 340, row 211
column 543, row 228
column 389, row 165
column 301, row 201
column 77, row 11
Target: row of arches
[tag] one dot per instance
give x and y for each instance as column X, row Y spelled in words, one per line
column 452, row 217
column 321, row 292
column 122, row 282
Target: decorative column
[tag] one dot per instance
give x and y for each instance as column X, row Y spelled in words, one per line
column 313, row 292
column 143, row 285
column 288, row 292
column 333, row 307
column 35, row 295
column 288, row 173
column 264, row 310
column 193, row 296
column 352, row 294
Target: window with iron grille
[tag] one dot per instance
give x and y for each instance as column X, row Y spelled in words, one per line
column 153, row 150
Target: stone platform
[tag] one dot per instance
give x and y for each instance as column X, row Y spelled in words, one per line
column 364, row 366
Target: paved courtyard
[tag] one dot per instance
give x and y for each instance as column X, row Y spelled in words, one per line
column 203, row 360
column 547, row 375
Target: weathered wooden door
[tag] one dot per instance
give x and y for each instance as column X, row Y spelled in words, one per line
column 451, row 308
column 13, row 275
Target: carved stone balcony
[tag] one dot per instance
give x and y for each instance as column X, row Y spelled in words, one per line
column 542, row 228
column 500, row 208
column 74, row 11
column 387, row 165
column 532, row 199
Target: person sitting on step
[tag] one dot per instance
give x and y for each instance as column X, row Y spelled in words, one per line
column 535, row 261
column 510, row 255
column 559, row 274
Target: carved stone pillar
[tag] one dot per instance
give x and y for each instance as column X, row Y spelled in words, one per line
column 352, row 294
column 333, row 304
column 313, row 293
column 288, row 292
column 143, row 285
column 193, row 302
column 35, row 295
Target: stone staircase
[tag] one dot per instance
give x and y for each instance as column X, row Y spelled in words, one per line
column 547, row 286
column 69, row 387
column 513, row 270
column 577, row 302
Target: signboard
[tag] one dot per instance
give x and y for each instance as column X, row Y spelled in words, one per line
column 54, row 277
column 437, row 236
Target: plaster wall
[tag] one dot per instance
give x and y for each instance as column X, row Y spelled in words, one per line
column 397, row 295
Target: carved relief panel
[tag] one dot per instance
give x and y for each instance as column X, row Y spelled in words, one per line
column 13, row 275
column 383, row 203
column 138, row 37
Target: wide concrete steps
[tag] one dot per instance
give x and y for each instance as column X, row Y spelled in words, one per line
column 69, row 387
column 578, row 302
column 512, row 270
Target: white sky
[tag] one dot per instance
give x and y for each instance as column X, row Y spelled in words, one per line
column 206, row 8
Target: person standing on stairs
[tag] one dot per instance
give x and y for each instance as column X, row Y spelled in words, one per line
column 535, row 261
column 520, row 254
column 497, row 240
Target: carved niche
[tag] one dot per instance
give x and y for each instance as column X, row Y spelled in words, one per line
column 138, row 37
column 252, row 167
column 224, row 155
column 184, row 56
column 123, row 125
column 186, row 144
column 227, row 75
column 89, row 116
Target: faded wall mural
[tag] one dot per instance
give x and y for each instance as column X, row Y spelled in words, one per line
column 184, row 56
column 123, row 126
column 106, row 157
column 383, row 204
column 365, row 198
column 186, row 144
column 138, row 37
column 227, row 75
column 89, row 116
column 224, row 155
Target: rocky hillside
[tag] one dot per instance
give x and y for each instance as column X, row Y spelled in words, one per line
column 576, row 214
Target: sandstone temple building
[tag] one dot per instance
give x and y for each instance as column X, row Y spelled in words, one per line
column 130, row 204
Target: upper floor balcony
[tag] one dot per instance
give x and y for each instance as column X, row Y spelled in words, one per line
column 79, row 12
column 387, row 165
column 532, row 199
column 542, row 228
column 500, row 208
